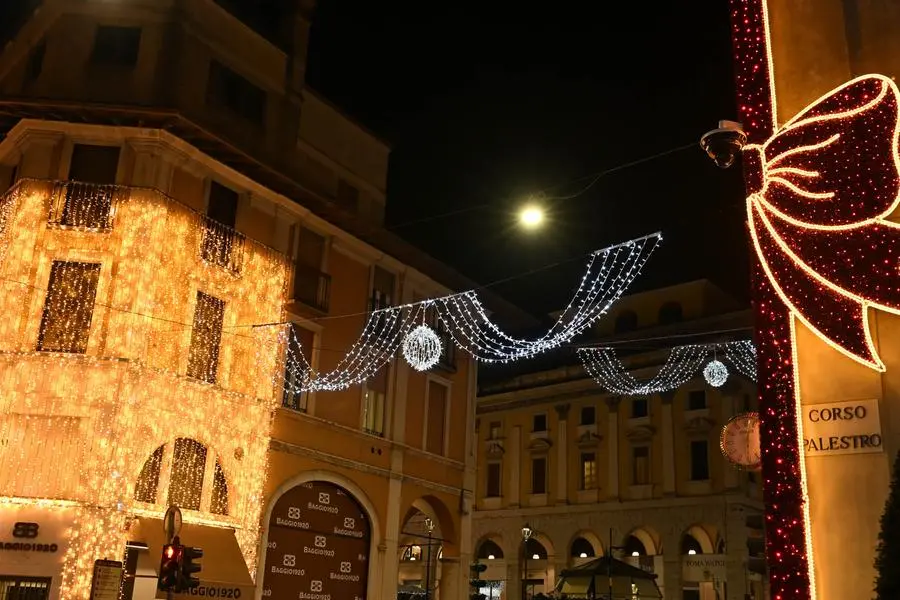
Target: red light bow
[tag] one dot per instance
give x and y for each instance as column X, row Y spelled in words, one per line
column 826, row 183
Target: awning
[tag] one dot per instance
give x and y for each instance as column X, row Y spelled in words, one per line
column 576, row 587
column 224, row 573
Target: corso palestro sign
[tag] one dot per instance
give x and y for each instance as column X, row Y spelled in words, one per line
column 842, row 428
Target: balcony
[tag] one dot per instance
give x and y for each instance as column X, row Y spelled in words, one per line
column 312, row 287
column 84, row 206
column 222, row 246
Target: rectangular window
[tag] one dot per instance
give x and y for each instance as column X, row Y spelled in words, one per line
column 696, row 399
column 376, row 393
column 296, row 367
column 223, row 204
column 588, row 415
column 539, row 423
column 640, row 456
column 229, row 90
column 206, row 336
column 69, row 307
column 311, row 285
column 116, row 46
column 188, row 470
column 35, row 62
column 494, row 431
column 383, row 283
column 640, row 407
column 539, row 475
column 494, row 473
column 86, row 199
column 588, row 471
column 437, row 414
column 699, row 460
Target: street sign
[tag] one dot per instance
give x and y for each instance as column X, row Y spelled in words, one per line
column 107, row 580
column 172, row 523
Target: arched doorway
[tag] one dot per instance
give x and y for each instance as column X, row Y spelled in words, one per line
column 318, row 544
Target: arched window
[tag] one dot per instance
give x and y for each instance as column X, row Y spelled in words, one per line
column 634, row 547
column 412, row 553
column 581, row 548
column 489, row 550
column 690, row 545
column 627, row 320
column 669, row 313
column 188, row 465
column 535, row 550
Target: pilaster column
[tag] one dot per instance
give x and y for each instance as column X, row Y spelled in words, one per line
column 612, row 403
column 514, row 576
column 389, row 559
column 150, row 169
column 668, row 441
column 672, row 573
column 42, row 156
column 452, row 585
column 562, row 459
column 515, row 465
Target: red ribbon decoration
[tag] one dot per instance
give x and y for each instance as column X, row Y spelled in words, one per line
column 829, row 178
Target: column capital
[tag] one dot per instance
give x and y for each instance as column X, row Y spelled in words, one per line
column 562, row 410
column 613, row 402
column 668, row 396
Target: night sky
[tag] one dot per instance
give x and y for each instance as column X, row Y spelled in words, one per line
column 484, row 108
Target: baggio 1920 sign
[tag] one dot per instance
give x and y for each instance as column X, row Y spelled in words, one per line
column 318, row 545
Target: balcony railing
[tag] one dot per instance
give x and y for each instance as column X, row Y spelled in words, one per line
column 86, row 206
column 221, row 245
column 312, row 287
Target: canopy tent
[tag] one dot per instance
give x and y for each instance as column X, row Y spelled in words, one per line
column 592, row 581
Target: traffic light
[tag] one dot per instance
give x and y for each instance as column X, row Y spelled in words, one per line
column 189, row 567
column 476, row 583
column 169, row 566
column 756, row 544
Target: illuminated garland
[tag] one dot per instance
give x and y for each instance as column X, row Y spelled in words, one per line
column 609, row 273
column 681, row 366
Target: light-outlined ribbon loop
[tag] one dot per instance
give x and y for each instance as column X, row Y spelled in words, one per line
column 828, row 180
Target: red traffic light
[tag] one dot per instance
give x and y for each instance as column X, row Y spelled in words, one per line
column 169, row 551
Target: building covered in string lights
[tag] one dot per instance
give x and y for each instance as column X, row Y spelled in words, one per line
column 183, row 222
column 636, row 470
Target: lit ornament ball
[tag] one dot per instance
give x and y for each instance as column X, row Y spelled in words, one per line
column 422, row 348
column 715, row 373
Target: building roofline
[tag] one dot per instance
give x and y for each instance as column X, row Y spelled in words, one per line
column 350, row 119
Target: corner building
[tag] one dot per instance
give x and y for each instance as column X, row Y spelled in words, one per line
column 639, row 477
column 173, row 192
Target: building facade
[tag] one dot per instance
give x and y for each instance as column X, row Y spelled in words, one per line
column 590, row 472
column 182, row 219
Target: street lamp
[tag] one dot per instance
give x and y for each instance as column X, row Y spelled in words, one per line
column 429, row 525
column 526, row 535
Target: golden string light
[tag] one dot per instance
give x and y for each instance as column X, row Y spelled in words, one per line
column 113, row 297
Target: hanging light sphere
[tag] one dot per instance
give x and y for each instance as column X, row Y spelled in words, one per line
column 715, row 373
column 422, row 348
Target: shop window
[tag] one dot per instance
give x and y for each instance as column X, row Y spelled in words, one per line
column 206, row 337
column 68, row 307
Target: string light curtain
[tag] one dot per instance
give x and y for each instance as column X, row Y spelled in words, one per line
column 682, row 365
column 110, row 394
column 609, row 273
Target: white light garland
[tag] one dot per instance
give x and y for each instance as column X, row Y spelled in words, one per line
column 422, row 348
column 715, row 373
column 682, row 364
column 609, row 273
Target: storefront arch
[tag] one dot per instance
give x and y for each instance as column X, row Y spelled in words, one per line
column 355, row 493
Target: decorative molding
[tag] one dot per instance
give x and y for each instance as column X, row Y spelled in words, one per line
column 699, row 425
column 541, row 444
column 562, row 410
column 588, row 439
column 641, row 433
column 494, row 448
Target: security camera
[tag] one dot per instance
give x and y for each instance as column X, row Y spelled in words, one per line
column 724, row 144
